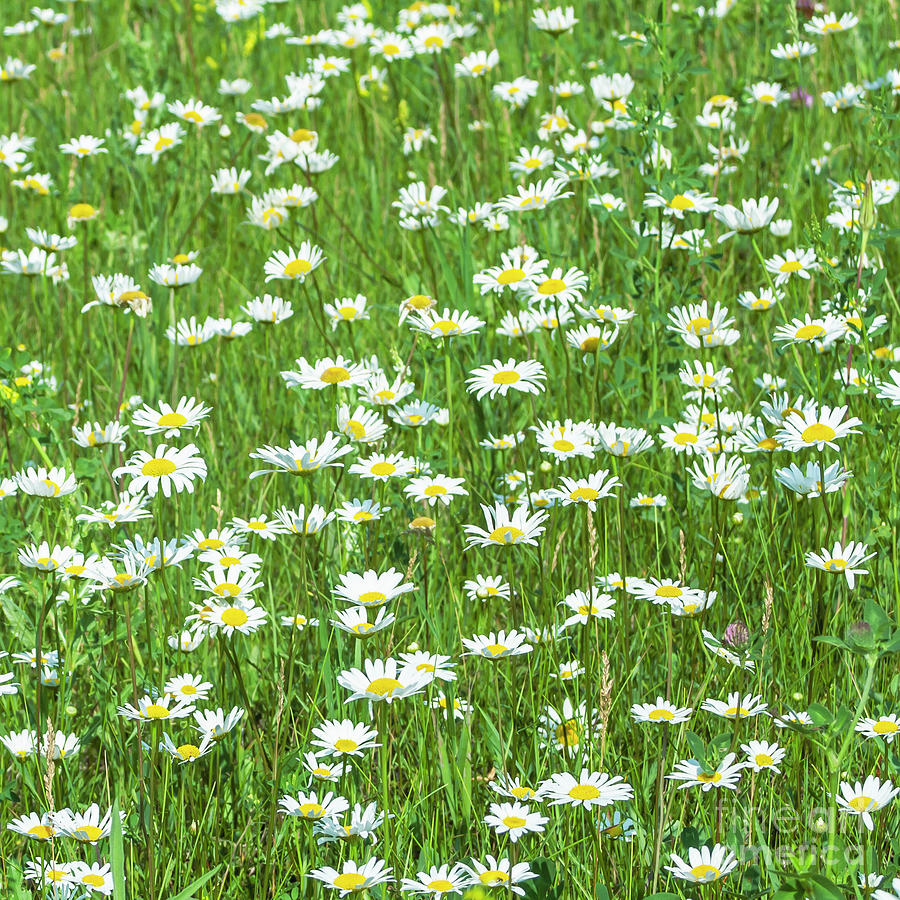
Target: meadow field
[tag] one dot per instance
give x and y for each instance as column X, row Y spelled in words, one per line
column 449, row 451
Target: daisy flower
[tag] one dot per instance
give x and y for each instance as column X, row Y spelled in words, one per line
column 555, row 21
column 841, row 559
column 382, row 680
column 310, row 807
column 169, row 421
column 588, row 789
column 500, row 873
column 358, row 511
column 496, row 646
column 241, row 616
column 703, row 865
column 763, row 755
column 567, row 730
column 302, row 521
column 514, row 819
column 679, row 204
column 259, row 526
column 167, row 469
column 344, row 737
column 291, row 265
column 886, row 727
column 41, row 482
column 863, row 798
column 736, row 707
column 727, row 774
column 816, row 427
column 216, row 723
column 505, row 528
column 268, row 310
column 824, row 331
column 588, row 605
column 187, row 752
column 662, row 712
column 798, row 262
column 438, row 881
column 433, row 488
column 596, row 486
column 518, row 269
column 324, row 373
column 302, row 459
column 558, row 287
column 153, row 709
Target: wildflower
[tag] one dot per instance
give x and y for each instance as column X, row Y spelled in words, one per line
column 863, row 798
column 514, row 819
column 556, row 21
column 171, row 421
column 382, row 680
column 505, row 528
column 302, row 459
column 736, row 707
column 167, row 469
column 587, row 790
column 763, row 755
column 704, row 865
column 494, row 873
column 817, row 427
column 497, row 646
column 662, row 712
column 293, row 265
column 842, row 559
column 726, row 774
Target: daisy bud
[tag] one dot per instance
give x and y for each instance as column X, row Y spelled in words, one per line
column 412, row 648
column 867, row 214
column 546, row 466
column 737, row 518
column 224, row 131
column 71, row 710
column 797, row 696
column 820, row 826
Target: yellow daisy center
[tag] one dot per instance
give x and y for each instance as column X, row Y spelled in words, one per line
column 551, row 286
column 297, row 267
column 172, row 420
column 817, row 432
column 679, row 201
column 506, row 534
column 584, row 792
column 157, row 467
column 383, row 687
column 703, row 872
column 334, row 375
column 234, row 617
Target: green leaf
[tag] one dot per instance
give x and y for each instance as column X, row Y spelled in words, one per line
column 117, row 853
column 820, row 714
column 831, row 641
column 188, row 892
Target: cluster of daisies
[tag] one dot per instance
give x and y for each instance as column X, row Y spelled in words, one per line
column 733, row 440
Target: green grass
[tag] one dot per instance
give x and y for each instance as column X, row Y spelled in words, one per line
column 212, row 829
